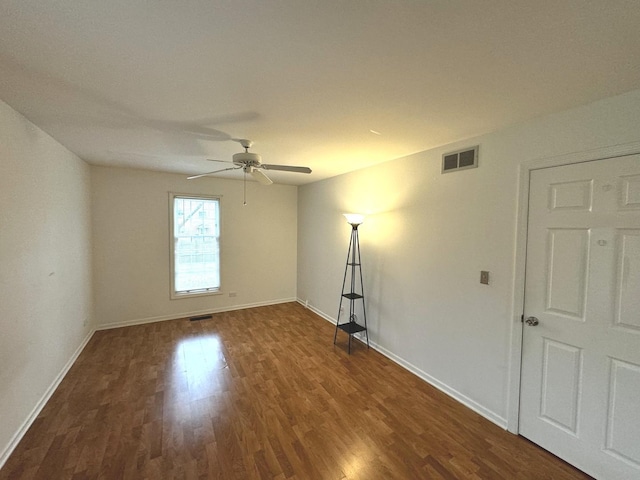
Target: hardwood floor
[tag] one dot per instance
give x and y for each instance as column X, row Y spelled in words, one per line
column 259, row 393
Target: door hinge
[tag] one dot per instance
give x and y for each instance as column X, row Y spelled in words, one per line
column 522, row 318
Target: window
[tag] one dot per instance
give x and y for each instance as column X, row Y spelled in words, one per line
column 195, row 245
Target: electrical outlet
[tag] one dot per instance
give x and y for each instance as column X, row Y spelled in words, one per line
column 484, row 277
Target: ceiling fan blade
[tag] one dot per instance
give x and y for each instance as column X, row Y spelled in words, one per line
column 211, row 173
column 208, row 133
column 286, row 168
column 216, row 160
column 260, row 176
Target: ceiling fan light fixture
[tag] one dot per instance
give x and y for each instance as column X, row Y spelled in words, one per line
column 247, row 158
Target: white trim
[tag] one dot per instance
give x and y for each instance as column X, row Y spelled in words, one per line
column 317, row 312
column 443, row 387
column 515, row 344
column 517, row 303
column 602, row 153
column 174, row 316
column 195, row 293
column 15, row 439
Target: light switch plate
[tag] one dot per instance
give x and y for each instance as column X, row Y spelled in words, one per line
column 484, row 277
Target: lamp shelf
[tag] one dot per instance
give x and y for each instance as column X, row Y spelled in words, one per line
column 351, row 327
column 352, row 296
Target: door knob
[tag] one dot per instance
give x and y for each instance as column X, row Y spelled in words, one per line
column 532, row 321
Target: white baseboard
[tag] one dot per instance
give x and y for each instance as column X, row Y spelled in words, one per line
column 173, row 316
column 443, row 387
column 15, row 440
column 317, row 312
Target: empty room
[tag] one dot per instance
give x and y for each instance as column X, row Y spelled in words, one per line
column 364, row 239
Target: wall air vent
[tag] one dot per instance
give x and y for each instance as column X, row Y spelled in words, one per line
column 460, row 159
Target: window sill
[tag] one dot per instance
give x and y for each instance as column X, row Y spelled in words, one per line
column 178, row 296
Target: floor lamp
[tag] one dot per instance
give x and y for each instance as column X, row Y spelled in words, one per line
column 353, row 262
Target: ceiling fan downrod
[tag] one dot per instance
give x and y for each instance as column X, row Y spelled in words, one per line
column 244, row 187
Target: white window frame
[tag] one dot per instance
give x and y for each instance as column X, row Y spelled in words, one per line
column 200, row 292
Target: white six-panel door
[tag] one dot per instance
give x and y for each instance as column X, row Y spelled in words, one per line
column 580, row 383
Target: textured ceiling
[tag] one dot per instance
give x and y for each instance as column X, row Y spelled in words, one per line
column 164, row 85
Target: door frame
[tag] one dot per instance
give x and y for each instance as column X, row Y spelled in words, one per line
column 517, row 310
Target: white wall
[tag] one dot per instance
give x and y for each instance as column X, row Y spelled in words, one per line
column 131, row 245
column 45, row 268
column 428, row 236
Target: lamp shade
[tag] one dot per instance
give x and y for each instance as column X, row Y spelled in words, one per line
column 354, row 218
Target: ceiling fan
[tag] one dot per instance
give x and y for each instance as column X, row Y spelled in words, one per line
column 251, row 163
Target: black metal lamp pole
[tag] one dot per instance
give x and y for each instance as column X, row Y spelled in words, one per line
column 353, row 261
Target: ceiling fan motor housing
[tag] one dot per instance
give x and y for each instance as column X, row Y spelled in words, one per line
column 247, row 159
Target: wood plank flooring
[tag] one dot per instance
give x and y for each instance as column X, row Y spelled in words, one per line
column 255, row 394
